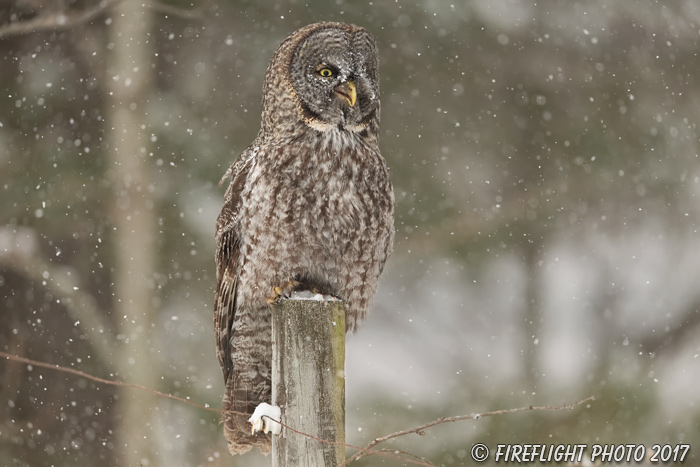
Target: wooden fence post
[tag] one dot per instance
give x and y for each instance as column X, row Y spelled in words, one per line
column 308, row 382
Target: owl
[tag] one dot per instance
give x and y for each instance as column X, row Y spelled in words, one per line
column 310, row 206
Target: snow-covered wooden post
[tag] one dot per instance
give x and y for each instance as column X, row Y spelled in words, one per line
column 308, row 382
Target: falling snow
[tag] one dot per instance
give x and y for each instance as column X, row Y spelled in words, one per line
column 546, row 167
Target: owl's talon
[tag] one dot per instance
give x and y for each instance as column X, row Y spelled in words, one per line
column 283, row 292
column 257, row 425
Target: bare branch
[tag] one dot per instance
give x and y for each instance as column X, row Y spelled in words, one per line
column 80, row 306
column 404, row 456
column 172, row 10
column 64, row 20
column 391, row 453
column 420, row 429
column 55, row 21
column 29, row 361
column 683, row 329
column 97, row 379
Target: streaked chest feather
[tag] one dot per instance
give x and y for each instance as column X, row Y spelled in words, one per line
column 328, row 186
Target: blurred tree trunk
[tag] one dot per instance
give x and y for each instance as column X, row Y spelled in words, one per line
column 134, row 223
column 532, row 313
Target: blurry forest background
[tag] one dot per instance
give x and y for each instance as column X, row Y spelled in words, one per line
column 546, row 169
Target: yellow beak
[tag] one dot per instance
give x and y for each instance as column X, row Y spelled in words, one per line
column 347, row 91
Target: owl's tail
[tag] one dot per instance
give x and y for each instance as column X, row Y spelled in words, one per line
column 238, row 406
column 248, row 383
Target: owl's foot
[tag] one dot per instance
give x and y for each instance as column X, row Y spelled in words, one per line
column 283, row 292
column 265, row 418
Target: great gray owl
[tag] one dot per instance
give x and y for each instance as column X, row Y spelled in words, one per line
column 310, row 206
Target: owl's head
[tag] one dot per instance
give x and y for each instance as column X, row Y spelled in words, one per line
column 327, row 75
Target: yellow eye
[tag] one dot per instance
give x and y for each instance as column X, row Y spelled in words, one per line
column 325, row 72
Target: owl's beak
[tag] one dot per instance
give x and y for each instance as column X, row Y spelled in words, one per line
column 347, row 91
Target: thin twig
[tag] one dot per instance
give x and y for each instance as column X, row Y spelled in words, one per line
column 420, row 429
column 362, row 452
column 82, row 374
column 97, row 379
column 381, row 452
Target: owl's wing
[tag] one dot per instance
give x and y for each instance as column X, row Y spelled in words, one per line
column 227, row 260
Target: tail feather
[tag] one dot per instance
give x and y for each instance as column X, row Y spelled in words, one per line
column 248, row 384
column 238, row 407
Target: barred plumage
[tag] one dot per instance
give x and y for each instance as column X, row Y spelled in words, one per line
column 310, row 206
